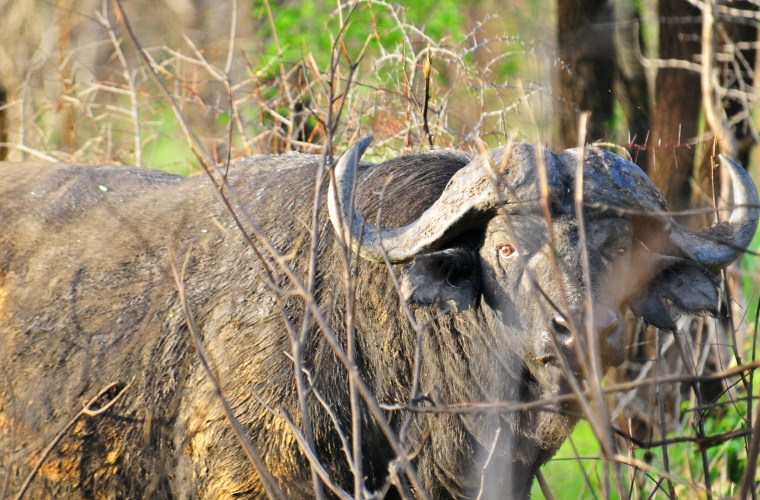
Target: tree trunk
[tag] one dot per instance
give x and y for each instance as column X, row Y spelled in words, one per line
column 586, row 46
column 677, row 104
column 631, row 86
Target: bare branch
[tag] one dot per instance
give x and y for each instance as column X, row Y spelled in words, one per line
column 88, row 411
column 268, row 482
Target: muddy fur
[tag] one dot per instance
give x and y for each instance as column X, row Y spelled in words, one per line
column 87, row 298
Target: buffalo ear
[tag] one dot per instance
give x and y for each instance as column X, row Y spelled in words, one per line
column 446, row 278
column 689, row 287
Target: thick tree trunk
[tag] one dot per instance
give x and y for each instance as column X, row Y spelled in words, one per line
column 586, row 46
column 631, row 86
column 677, row 104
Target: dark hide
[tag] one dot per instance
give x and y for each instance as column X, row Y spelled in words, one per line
column 87, row 298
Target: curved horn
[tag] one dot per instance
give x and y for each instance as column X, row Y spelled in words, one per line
column 468, row 197
column 715, row 249
column 341, row 186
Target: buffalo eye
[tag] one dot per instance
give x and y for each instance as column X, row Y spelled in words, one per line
column 506, row 251
column 621, row 252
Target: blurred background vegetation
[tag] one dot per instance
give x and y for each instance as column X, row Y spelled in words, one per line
column 71, row 94
column 252, row 76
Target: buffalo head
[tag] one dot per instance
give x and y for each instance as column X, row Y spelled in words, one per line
column 489, row 247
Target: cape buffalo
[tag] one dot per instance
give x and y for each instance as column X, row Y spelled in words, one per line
column 87, row 299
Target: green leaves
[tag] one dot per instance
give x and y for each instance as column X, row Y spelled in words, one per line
column 311, row 25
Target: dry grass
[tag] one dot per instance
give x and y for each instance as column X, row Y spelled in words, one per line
column 82, row 95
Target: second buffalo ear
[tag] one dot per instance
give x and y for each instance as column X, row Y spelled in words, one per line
column 689, row 287
column 446, row 278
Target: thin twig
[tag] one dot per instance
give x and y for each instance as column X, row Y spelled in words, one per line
column 488, row 461
column 544, row 485
column 514, row 406
column 86, row 411
column 333, row 419
column 268, row 482
column 753, row 448
column 192, row 138
column 129, row 77
column 311, row 457
column 31, row 151
column 661, row 406
column 592, row 334
column 233, row 31
column 427, row 67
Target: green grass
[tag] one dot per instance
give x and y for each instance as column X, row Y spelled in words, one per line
column 565, row 474
column 169, row 151
column 309, row 26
